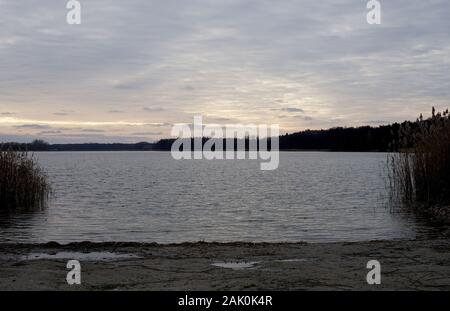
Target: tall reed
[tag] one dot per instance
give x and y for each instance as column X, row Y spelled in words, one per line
column 23, row 184
column 420, row 171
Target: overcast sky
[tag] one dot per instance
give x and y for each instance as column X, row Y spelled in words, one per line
column 133, row 68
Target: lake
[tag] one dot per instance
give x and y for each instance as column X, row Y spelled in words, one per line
column 149, row 197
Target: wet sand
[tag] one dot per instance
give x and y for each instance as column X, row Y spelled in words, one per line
column 405, row 265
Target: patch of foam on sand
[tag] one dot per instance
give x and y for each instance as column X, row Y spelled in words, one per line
column 292, row 260
column 236, row 265
column 92, row 256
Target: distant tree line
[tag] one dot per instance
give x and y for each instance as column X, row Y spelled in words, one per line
column 364, row 138
column 40, row 145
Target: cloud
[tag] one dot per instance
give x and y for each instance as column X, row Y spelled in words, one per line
column 147, row 133
column 63, row 113
column 153, row 109
column 376, row 122
column 292, row 109
column 296, row 117
column 92, row 131
column 49, row 132
column 32, row 126
column 127, row 86
column 242, row 60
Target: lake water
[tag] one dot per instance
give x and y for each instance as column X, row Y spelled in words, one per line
column 149, row 197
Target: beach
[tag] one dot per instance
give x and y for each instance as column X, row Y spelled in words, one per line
column 405, row 265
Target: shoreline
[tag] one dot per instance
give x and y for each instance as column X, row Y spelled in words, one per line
column 405, row 265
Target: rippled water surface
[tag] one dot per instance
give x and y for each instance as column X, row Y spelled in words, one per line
column 149, row 197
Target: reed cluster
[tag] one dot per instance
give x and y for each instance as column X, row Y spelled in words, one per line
column 420, row 171
column 23, row 184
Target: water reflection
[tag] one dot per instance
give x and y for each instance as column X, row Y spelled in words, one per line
column 428, row 226
column 19, row 224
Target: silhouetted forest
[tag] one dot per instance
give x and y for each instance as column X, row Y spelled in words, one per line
column 364, row 138
column 40, row 145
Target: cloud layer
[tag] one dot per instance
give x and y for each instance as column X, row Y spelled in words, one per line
column 133, row 68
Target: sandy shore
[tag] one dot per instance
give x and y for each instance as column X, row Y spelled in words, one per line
column 405, row 265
